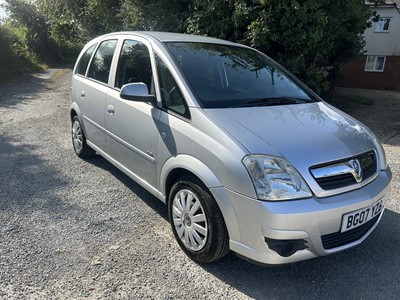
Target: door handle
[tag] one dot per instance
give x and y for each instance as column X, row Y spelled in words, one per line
column 111, row 110
column 83, row 94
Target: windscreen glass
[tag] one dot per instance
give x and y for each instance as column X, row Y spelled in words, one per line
column 228, row 76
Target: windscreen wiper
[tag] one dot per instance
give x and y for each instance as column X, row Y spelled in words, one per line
column 271, row 101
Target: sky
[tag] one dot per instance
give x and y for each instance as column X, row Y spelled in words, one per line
column 2, row 12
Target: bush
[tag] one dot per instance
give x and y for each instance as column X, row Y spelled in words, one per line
column 15, row 53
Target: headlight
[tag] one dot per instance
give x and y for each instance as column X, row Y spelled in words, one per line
column 275, row 179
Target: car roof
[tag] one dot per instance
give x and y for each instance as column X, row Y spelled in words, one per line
column 173, row 37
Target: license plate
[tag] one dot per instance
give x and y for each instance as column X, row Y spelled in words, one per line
column 359, row 217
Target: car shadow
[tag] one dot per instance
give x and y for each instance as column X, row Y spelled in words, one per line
column 26, row 89
column 22, row 187
column 368, row 271
column 143, row 194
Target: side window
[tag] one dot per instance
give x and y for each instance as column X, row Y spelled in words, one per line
column 171, row 96
column 134, row 65
column 101, row 63
column 84, row 61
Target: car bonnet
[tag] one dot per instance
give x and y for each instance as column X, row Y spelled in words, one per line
column 304, row 134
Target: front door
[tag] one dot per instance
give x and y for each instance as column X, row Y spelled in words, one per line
column 131, row 127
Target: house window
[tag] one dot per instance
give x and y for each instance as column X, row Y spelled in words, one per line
column 382, row 25
column 375, row 63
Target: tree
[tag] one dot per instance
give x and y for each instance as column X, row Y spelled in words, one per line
column 80, row 19
column 32, row 27
column 214, row 18
column 84, row 19
column 309, row 37
column 101, row 16
column 15, row 53
column 162, row 15
column 63, row 17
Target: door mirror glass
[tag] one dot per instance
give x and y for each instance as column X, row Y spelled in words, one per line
column 136, row 91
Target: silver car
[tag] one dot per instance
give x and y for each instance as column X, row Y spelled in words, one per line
column 246, row 157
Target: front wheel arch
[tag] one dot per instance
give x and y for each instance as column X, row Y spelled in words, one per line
column 182, row 165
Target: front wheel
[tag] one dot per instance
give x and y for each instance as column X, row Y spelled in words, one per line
column 81, row 148
column 197, row 221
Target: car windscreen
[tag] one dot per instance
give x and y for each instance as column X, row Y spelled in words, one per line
column 232, row 76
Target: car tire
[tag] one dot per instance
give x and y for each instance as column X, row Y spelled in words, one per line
column 81, row 148
column 197, row 221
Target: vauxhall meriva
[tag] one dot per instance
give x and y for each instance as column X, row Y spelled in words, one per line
column 246, row 157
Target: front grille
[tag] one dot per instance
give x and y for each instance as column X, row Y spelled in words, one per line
column 338, row 239
column 368, row 164
column 335, row 182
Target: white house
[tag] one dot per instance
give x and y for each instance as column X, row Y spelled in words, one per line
column 379, row 67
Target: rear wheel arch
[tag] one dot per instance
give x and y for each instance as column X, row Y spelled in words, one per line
column 75, row 112
column 72, row 114
column 81, row 148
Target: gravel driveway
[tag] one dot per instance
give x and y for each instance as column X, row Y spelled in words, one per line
column 75, row 229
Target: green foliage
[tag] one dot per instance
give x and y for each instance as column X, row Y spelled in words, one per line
column 309, row 37
column 81, row 20
column 64, row 29
column 61, row 17
column 101, row 16
column 163, row 15
column 15, row 53
column 25, row 15
column 214, row 18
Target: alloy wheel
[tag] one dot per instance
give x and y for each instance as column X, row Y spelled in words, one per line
column 189, row 220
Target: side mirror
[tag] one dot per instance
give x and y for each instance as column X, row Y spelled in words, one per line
column 137, row 92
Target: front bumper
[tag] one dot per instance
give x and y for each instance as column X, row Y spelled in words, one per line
column 251, row 222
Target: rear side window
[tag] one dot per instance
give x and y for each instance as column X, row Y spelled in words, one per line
column 101, row 63
column 84, row 61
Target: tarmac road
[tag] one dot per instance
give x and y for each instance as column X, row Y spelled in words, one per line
column 76, row 229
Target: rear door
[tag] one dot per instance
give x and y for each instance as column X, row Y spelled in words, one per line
column 92, row 92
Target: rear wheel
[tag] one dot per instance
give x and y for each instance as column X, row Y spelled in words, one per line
column 81, row 148
column 197, row 221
